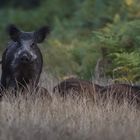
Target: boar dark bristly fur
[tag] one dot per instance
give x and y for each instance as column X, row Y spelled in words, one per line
column 78, row 87
column 114, row 92
column 22, row 60
column 119, row 92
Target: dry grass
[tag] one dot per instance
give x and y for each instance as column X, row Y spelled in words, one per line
column 34, row 118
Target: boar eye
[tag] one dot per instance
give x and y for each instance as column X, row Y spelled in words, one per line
column 33, row 45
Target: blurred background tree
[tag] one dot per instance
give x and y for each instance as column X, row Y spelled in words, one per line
column 81, row 30
column 25, row 4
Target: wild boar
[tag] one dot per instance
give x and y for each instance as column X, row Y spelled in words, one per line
column 78, row 87
column 22, row 59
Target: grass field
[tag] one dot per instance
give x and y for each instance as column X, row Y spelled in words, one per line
column 35, row 118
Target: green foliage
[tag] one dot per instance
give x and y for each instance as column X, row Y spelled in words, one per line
column 85, row 54
column 58, row 59
column 122, row 42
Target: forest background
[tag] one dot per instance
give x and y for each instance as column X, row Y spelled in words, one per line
column 89, row 38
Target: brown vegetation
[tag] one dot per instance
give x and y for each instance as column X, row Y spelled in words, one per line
column 34, row 119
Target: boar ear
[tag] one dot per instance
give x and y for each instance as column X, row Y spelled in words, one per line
column 13, row 32
column 41, row 34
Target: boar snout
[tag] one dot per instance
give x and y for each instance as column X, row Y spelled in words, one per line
column 25, row 58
